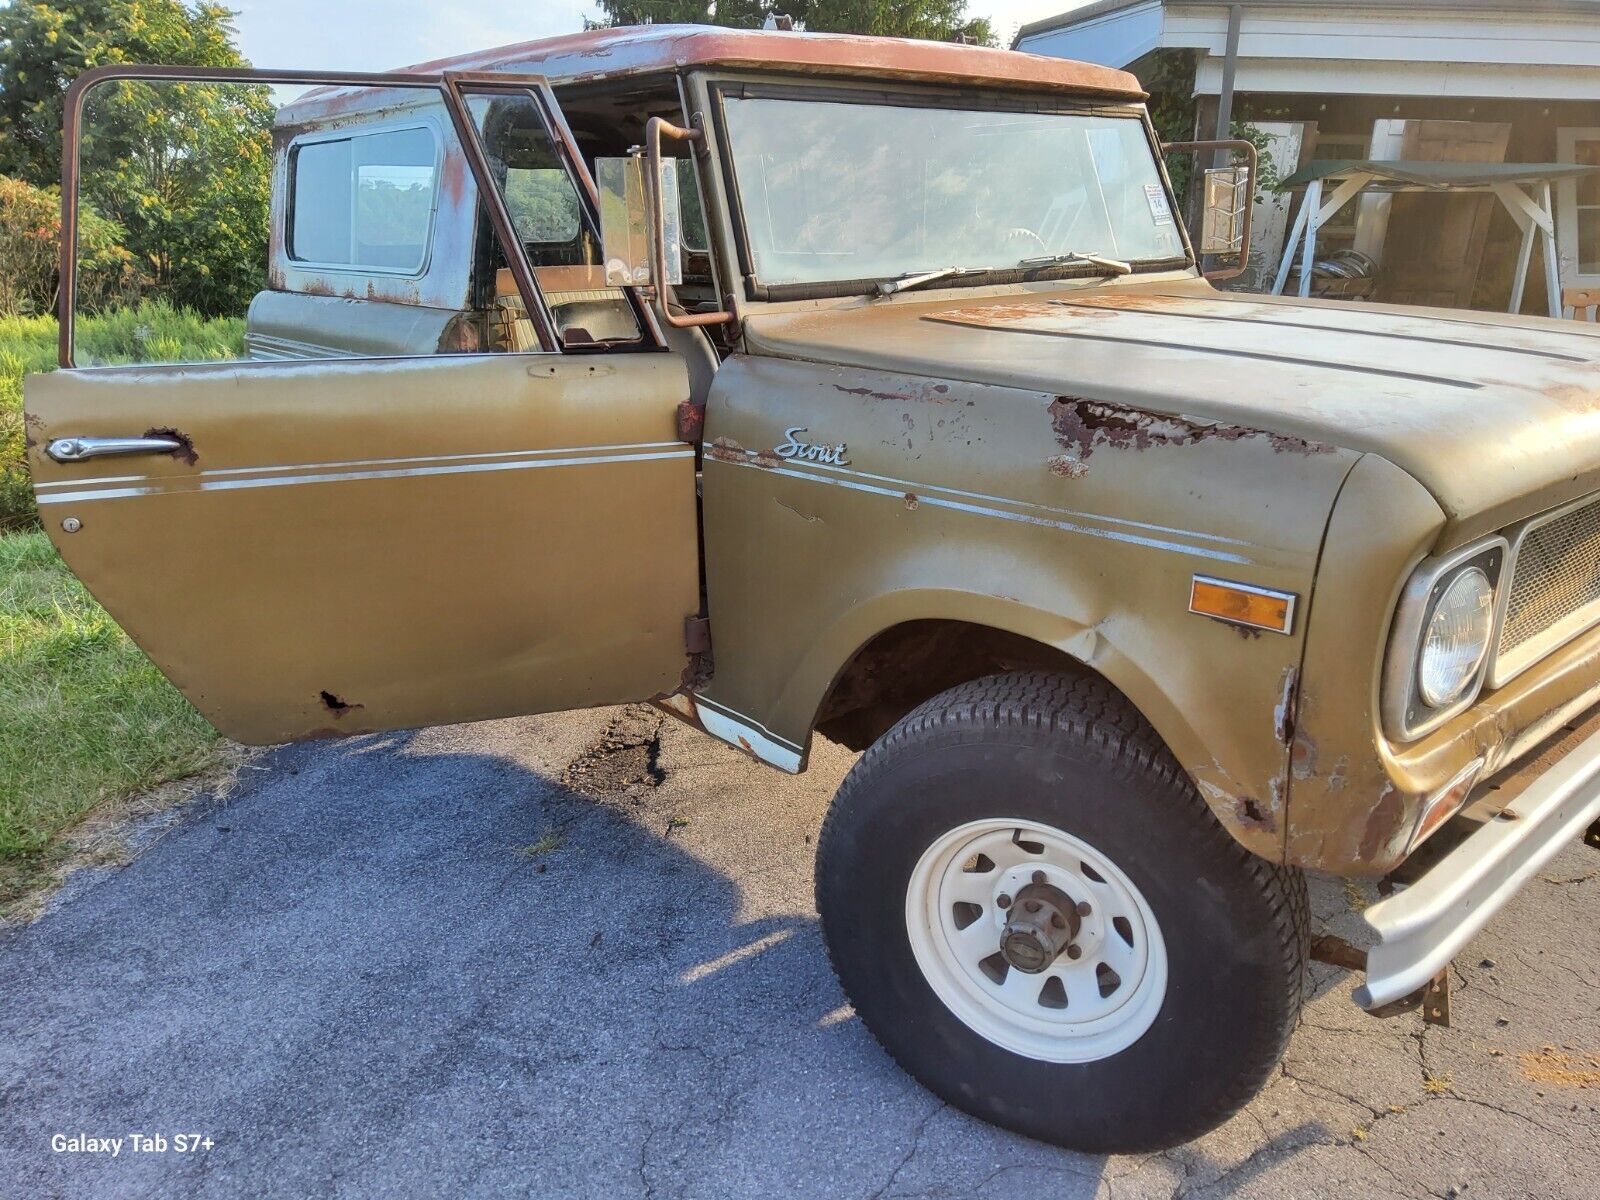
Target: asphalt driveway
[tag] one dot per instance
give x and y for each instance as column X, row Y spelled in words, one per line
column 576, row 956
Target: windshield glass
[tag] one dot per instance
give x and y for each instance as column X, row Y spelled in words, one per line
column 836, row 191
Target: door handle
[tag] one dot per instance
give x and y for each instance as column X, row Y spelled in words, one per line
column 81, row 449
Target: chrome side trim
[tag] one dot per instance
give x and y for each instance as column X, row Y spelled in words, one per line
column 1504, row 667
column 1422, row 928
column 1090, row 524
column 258, row 477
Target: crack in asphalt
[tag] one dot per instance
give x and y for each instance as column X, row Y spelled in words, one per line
column 911, row 1152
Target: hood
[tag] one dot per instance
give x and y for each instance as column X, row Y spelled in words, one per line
column 1497, row 416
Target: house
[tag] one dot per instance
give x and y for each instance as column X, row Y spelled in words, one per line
column 1452, row 80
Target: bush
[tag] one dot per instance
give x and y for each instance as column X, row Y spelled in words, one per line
column 30, row 237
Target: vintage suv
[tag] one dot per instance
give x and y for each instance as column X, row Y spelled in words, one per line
column 808, row 385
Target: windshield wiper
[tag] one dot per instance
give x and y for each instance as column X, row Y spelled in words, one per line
column 906, row 283
column 1113, row 266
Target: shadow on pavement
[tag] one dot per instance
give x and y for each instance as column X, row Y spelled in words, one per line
column 355, row 981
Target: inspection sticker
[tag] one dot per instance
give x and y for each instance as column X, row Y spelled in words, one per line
column 1159, row 209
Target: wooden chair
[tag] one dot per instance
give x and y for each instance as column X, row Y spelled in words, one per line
column 1584, row 303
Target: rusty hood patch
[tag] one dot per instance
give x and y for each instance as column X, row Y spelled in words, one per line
column 1496, row 416
column 1082, row 425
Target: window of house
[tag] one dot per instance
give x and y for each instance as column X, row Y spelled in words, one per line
column 364, row 201
column 1586, row 207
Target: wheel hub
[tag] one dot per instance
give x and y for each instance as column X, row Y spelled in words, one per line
column 1042, row 922
column 1075, row 979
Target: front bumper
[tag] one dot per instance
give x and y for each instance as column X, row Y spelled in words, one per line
column 1421, row 928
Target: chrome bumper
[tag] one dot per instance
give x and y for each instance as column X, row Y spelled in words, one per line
column 1422, row 928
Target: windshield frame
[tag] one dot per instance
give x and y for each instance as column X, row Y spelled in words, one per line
column 910, row 96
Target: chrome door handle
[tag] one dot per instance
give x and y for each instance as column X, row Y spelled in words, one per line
column 65, row 450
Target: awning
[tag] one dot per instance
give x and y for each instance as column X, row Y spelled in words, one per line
column 1434, row 176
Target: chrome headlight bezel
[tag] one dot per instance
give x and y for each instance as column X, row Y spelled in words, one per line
column 1406, row 716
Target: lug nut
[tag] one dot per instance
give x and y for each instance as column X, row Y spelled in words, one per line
column 1039, row 877
column 1074, row 952
column 1084, row 908
column 1003, row 900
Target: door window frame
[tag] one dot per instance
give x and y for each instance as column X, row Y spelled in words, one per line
column 451, row 87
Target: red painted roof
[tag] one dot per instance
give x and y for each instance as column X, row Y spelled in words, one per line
column 643, row 49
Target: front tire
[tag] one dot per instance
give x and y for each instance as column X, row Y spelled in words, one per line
column 1036, row 915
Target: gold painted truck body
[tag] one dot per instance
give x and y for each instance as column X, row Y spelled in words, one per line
column 853, row 500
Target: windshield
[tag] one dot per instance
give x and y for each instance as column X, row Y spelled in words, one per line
column 835, row 191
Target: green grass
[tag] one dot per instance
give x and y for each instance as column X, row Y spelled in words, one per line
column 549, row 843
column 85, row 719
column 84, row 716
column 152, row 331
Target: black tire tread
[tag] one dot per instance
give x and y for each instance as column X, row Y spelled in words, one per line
column 1090, row 709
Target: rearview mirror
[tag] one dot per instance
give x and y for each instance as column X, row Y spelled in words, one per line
column 1227, row 192
column 626, row 218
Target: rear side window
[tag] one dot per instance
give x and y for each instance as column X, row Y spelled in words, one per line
column 364, row 201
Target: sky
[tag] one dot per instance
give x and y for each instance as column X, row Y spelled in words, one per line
column 377, row 35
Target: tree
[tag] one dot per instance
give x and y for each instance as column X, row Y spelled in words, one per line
column 185, row 169
column 935, row 20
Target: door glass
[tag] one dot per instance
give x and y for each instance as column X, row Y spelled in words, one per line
column 561, row 243
column 249, row 221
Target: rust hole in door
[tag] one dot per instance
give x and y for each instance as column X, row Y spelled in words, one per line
column 335, row 705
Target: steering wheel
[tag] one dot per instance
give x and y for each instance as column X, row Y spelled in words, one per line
column 1018, row 233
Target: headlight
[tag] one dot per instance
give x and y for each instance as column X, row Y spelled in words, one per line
column 1441, row 638
column 1457, row 638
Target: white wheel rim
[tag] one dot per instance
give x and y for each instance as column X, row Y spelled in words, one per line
column 1076, row 1010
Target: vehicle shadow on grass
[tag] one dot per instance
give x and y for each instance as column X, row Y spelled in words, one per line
column 444, row 962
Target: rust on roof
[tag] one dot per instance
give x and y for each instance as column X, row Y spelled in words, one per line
column 647, row 49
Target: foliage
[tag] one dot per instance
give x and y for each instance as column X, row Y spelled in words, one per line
column 1268, row 177
column 47, row 43
column 936, row 20
column 186, row 170
column 183, row 168
column 151, row 331
column 1170, row 81
column 88, row 717
column 30, row 234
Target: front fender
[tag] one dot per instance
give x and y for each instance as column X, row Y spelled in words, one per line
column 951, row 502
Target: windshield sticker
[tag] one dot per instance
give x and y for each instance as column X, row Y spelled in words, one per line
column 1157, row 196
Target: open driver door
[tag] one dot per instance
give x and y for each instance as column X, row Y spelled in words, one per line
column 328, row 546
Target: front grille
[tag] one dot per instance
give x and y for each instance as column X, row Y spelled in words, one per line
column 1556, row 575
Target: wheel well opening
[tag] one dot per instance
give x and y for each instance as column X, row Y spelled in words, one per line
column 911, row 662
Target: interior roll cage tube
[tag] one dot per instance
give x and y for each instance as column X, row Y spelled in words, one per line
column 452, row 88
column 655, row 129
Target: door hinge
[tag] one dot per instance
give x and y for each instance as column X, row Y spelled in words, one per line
column 697, row 635
column 691, row 422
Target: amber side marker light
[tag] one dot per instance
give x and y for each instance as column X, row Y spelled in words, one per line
column 1242, row 604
